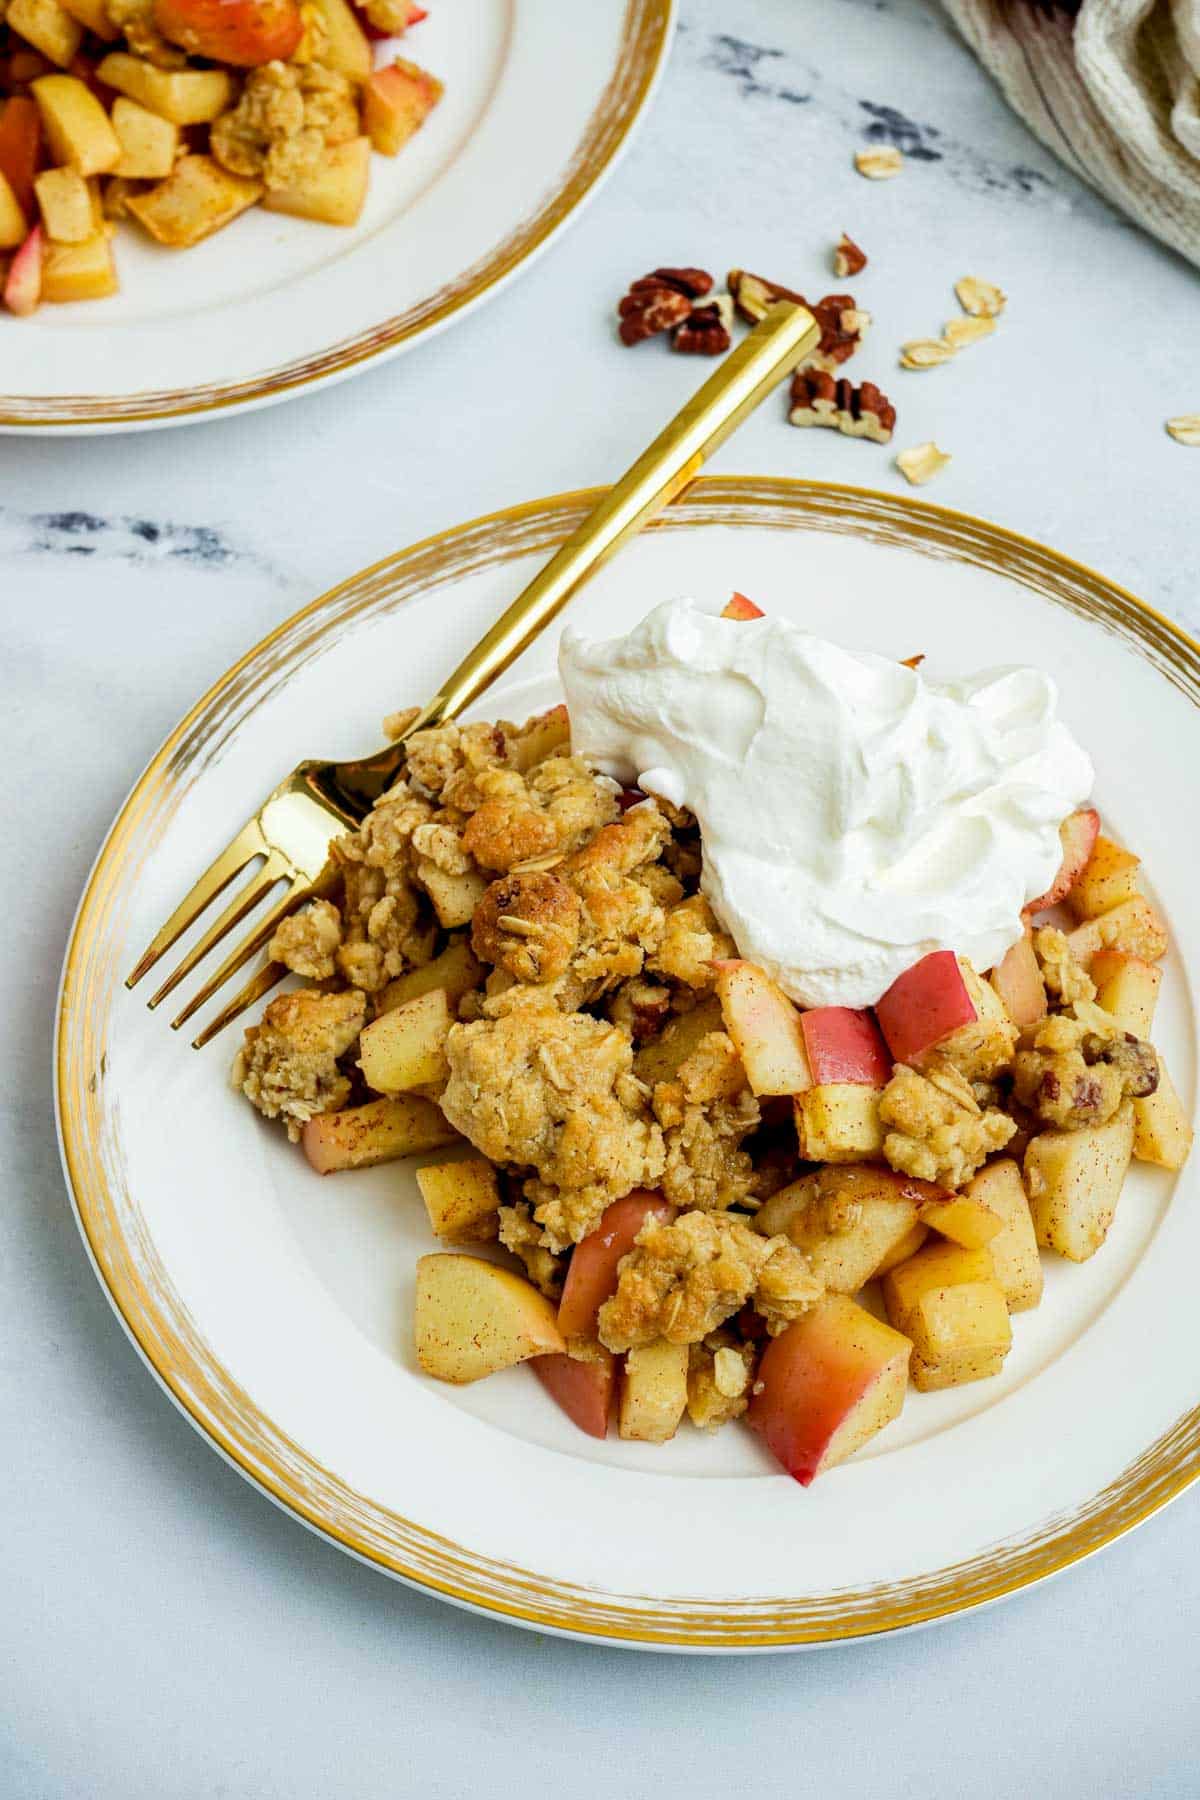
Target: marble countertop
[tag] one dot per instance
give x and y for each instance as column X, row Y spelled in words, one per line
column 164, row 1632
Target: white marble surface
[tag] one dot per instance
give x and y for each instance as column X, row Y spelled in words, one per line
column 164, row 1632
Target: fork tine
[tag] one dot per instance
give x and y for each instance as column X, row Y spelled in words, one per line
column 254, row 940
column 233, row 859
column 255, row 891
column 258, row 985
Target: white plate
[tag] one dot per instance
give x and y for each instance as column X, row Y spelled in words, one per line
column 539, row 101
column 275, row 1306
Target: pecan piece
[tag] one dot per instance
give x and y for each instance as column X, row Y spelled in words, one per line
column 856, row 411
column 754, row 294
column 705, row 333
column 842, row 324
column 692, row 282
column 848, row 258
column 660, row 301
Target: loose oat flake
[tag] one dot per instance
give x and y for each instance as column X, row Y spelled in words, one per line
column 960, row 332
column 1186, row 429
column 921, row 463
column 879, row 164
column 925, row 353
column 982, row 299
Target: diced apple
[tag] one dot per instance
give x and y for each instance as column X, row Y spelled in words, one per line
column 1078, row 833
column 941, row 1004
column 13, row 225
column 839, row 1123
column 23, row 283
column 592, row 1271
column 83, row 271
column 659, row 1059
column 936, row 1266
column 474, row 1318
column 185, row 96
column 20, row 148
column 455, row 970
column 584, row 1389
column 45, row 25
column 765, row 1028
column 396, row 102
column 406, row 1048
column 847, row 1220
column 461, row 1199
column 197, row 198
column 1017, row 980
column 454, row 897
column 908, row 1246
column 378, row 1132
column 826, row 1385
column 964, row 1221
column 739, row 607
column 1162, row 1131
column 149, row 143
column 1110, row 877
column 66, row 205
column 244, row 33
column 1127, row 987
column 844, row 1045
column 1013, row 1250
column 344, row 43
column 1073, row 1179
column 959, row 1334
column 77, row 127
column 1134, row 927
column 653, row 1392
column 542, row 736
column 93, row 16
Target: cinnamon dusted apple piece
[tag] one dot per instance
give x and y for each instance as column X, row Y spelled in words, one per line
column 1134, row 927
column 941, row 1005
column 1110, row 877
column 474, row 1318
column 1013, row 1249
column 837, row 1115
column 359, row 1137
column 848, row 1220
column 1074, row 1181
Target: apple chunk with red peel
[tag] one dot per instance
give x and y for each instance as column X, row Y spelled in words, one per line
column 826, row 1385
column 849, row 1221
column 1078, row 833
column 584, row 1390
column 844, row 1045
column 379, row 1132
column 23, row 285
column 941, row 1004
column 396, row 102
column 592, row 1272
column 837, row 1118
column 739, row 607
column 765, row 1027
column 1017, row 982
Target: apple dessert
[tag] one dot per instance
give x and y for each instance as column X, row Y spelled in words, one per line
column 660, row 1177
column 180, row 115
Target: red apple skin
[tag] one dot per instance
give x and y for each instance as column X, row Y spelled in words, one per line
column 924, row 1005
column 245, row 33
column 844, row 1045
column 739, row 607
column 812, row 1377
column 1079, row 833
column 584, row 1390
column 23, row 287
column 592, row 1274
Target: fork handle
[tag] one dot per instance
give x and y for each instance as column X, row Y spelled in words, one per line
column 786, row 334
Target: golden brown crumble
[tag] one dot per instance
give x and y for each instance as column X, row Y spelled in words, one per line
column 683, row 1279
column 692, row 939
column 523, row 1237
column 939, row 1132
column 555, row 1092
column 720, row 1371
column 705, row 1112
column 528, row 925
column 1077, row 1069
column 640, row 1008
column 307, row 942
column 1066, row 980
column 288, row 1065
column 288, row 116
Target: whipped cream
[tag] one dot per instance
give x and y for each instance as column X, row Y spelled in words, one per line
column 854, row 816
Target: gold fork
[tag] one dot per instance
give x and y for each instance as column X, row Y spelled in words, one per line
column 318, row 801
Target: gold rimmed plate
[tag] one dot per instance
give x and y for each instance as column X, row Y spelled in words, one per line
column 275, row 1307
column 539, row 102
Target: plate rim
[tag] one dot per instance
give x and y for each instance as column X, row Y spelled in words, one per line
column 1163, row 1471
column 646, row 34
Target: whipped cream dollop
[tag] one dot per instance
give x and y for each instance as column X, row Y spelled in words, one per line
column 854, row 816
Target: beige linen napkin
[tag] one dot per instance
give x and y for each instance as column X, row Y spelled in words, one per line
column 1115, row 92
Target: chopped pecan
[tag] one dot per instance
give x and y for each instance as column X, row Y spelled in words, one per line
column 660, row 301
column 857, row 411
column 848, row 258
column 704, row 333
column 842, row 324
column 753, row 294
